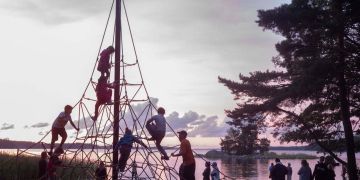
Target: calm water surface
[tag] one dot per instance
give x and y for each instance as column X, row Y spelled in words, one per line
column 259, row 169
column 249, row 169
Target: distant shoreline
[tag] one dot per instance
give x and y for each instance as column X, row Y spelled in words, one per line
column 10, row 144
column 214, row 154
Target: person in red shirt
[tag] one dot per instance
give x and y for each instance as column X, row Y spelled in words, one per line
column 103, row 94
column 104, row 64
column 187, row 168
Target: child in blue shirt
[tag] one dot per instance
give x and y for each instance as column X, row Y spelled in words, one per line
column 124, row 146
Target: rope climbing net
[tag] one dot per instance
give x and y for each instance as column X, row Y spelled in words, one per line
column 93, row 143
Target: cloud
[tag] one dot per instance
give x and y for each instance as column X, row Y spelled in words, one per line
column 197, row 125
column 179, row 123
column 6, row 126
column 54, row 11
column 215, row 29
column 39, row 125
column 209, row 127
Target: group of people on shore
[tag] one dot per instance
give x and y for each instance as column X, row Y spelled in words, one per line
column 323, row 170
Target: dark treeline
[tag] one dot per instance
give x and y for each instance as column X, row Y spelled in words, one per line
column 9, row 144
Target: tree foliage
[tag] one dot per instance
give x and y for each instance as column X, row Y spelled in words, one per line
column 314, row 96
column 242, row 138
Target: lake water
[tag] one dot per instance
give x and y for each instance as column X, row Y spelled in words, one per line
column 259, row 169
column 248, row 169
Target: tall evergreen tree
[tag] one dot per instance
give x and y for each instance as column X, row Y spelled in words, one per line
column 316, row 96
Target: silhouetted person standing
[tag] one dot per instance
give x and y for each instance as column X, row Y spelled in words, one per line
column 104, row 61
column 305, row 171
column 206, row 172
column 320, row 170
column 279, row 171
column 330, row 163
column 187, row 168
column 157, row 130
column 215, row 173
column 330, row 172
column 42, row 166
column 289, row 169
column 271, row 166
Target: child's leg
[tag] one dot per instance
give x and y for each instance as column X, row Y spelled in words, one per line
column 54, row 137
column 158, row 140
column 63, row 135
column 181, row 172
column 97, row 105
column 108, row 95
column 124, row 156
column 151, row 129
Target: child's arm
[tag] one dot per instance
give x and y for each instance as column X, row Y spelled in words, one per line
column 149, row 121
column 73, row 125
column 140, row 142
column 178, row 154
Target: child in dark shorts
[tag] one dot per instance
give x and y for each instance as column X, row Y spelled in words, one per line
column 58, row 127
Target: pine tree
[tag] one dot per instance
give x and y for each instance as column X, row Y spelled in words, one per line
column 315, row 96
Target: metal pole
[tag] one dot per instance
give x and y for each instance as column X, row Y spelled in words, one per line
column 116, row 88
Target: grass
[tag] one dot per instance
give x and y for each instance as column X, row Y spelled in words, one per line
column 10, row 166
column 26, row 167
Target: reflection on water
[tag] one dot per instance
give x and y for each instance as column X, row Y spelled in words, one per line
column 250, row 169
column 240, row 168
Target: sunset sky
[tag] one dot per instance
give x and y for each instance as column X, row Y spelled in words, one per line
column 49, row 47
